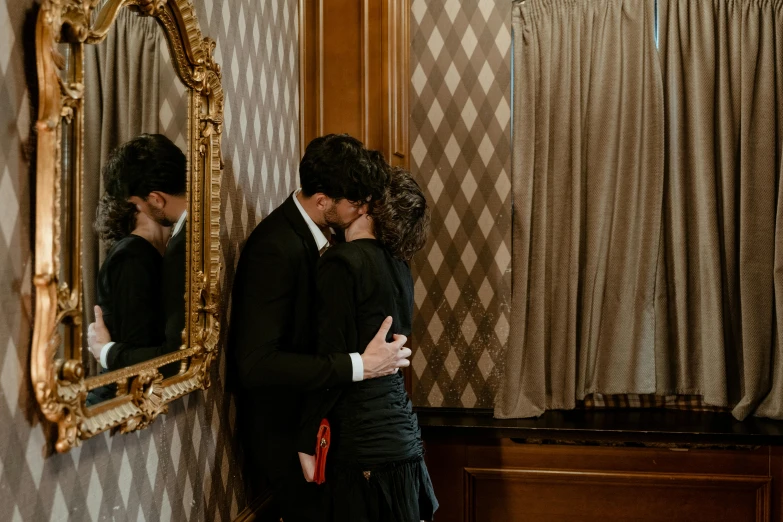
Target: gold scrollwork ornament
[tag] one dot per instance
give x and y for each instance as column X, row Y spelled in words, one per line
column 143, row 393
column 147, row 395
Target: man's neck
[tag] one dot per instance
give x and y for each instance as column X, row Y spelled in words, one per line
column 308, row 204
column 175, row 208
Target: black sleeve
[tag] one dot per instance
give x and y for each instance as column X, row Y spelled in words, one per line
column 134, row 288
column 337, row 333
column 264, row 303
column 126, row 352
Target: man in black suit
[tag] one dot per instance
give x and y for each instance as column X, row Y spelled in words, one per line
column 273, row 338
column 150, row 171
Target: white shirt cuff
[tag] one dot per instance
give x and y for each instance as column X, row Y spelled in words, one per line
column 105, row 353
column 358, row 367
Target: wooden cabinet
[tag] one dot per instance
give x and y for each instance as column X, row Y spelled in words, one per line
column 354, row 72
column 485, row 480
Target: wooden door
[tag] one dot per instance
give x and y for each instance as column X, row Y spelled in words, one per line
column 354, row 72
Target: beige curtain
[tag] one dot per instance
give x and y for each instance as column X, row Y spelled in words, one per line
column 122, row 100
column 722, row 61
column 587, row 178
column 635, row 276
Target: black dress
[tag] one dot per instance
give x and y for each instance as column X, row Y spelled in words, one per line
column 167, row 300
column 129, row 294
column 376, row 470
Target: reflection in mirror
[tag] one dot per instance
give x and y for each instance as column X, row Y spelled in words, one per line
column 132, row 261
column 90, row 102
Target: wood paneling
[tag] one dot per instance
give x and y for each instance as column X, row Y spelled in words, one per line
column 505, row 453
column 776, row 472
column 354, row 72
column 487, row 480
column 396, row 81
column 552, row 496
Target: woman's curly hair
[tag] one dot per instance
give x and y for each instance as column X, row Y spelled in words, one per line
column 114, row 219
column 401, row 218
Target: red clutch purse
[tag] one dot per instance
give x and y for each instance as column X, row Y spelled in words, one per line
column 321, row 449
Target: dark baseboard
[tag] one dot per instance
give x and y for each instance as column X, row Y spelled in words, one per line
column 260, row 509
column 620, row 425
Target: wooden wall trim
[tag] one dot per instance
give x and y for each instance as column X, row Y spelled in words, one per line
column 632, row 426
column 609, row 478
column 575, row 479
column 305, row 51
column 319, row 93
column 354, row 77
column 365, row 70
column 398, row 80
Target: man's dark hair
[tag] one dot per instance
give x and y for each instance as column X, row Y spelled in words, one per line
column 339, row 166
column 401, row 218
column 147, row 163
column 114, row 219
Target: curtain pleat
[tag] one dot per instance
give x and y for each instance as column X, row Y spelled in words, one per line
column 587, row 179
column 722, row 61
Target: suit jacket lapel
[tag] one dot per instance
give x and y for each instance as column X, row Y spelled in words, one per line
column 179, row 237
column 292, row 214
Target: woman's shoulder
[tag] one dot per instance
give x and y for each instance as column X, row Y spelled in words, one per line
column 345, row 252
column 132, row 248
column 354, row 253
column 353, row 257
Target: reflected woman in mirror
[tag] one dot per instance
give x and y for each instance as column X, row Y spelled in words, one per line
column 129, row 280
column 149, row 173
column 376, row 468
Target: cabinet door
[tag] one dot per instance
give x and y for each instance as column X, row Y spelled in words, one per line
column 354, row 72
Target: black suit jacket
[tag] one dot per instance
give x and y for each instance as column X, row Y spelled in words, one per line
column 273, row 334
column 124, row 354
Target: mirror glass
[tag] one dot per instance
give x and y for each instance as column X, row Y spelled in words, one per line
column 131, row 88
column 69, row 328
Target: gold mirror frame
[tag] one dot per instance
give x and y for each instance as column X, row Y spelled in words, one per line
column 60, row 386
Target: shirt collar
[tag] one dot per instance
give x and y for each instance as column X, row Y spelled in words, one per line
column 179, row 224
column 320, row 238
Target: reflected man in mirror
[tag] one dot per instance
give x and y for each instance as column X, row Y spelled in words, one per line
column 273, row 341
column 149, row 172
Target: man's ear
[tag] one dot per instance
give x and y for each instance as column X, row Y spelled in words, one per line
column 157, row 200
column 321, row 200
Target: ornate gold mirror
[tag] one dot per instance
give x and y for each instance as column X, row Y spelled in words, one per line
column 109, row 71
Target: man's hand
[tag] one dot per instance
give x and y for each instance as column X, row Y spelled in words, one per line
column 381, row 358
column 308, row 466
column 97, row 334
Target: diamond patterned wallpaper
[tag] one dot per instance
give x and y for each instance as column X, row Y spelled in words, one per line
column 185, row 467
column 460, row 136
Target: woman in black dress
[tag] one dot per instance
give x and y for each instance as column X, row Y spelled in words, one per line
column 129, row 280
column 376, row 469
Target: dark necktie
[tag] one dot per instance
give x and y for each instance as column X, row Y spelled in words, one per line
column 331, row 241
